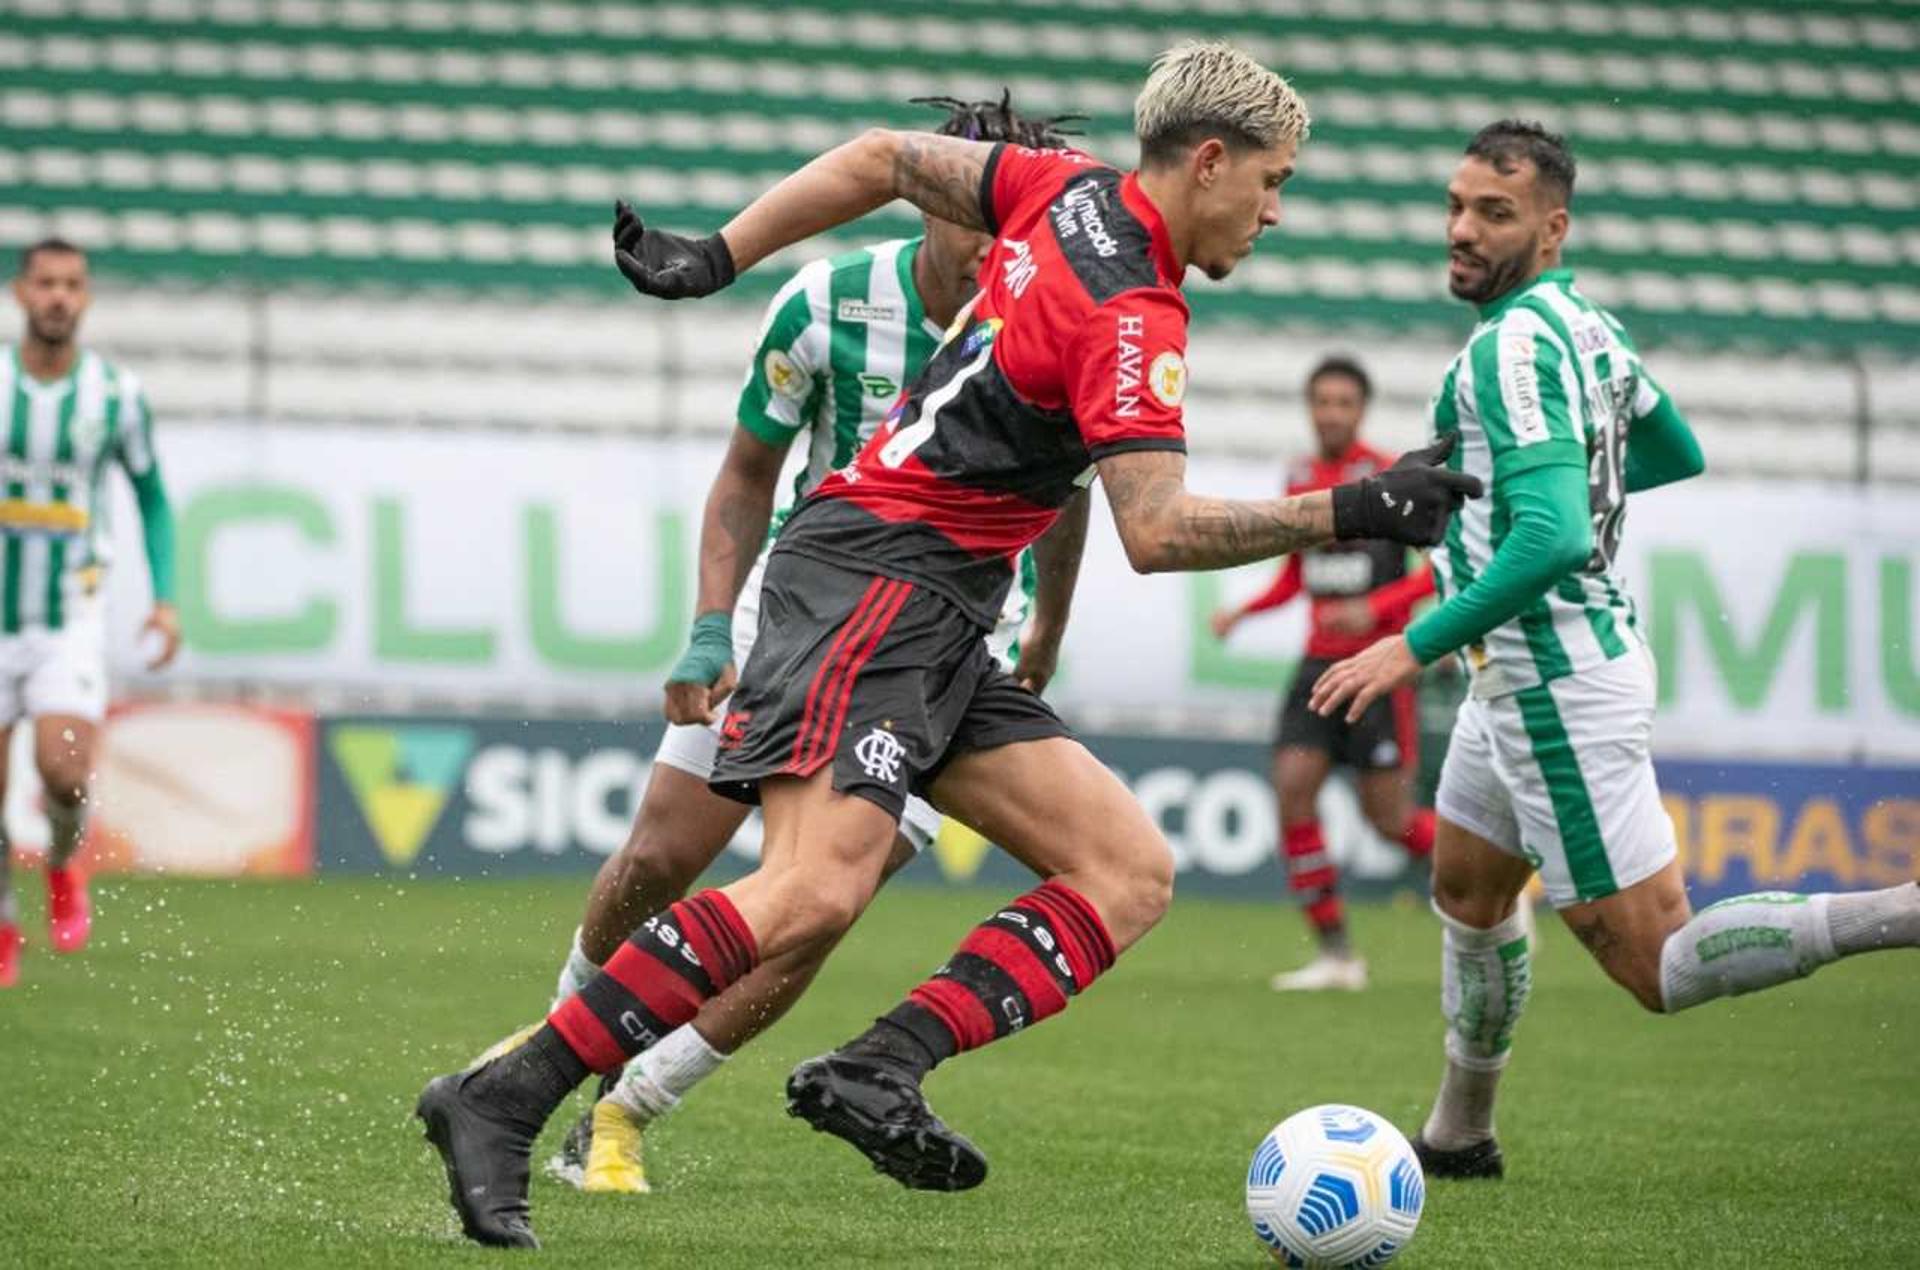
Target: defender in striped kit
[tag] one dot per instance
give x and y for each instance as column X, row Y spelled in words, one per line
column 1550, row 768
column 67, row 415
column 839, row 342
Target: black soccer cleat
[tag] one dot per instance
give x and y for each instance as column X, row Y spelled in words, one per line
column 569, row 1163
column 880, row 1110
column 486, row 1156
column 1482, row 1159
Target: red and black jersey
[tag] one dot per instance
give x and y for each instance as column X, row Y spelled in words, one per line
column 1074, row 349
column 1372, row 569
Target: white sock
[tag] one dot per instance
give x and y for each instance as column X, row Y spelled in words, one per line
column 1755, row 941
column 575, row 973
column 1486, row 976
column 654, row 1083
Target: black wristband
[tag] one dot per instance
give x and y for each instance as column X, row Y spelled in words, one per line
column 721, row 256
column 1349, row 510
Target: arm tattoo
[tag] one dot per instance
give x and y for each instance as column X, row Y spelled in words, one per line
column 1215, row 531
column 941, row 176
column 1196, row 532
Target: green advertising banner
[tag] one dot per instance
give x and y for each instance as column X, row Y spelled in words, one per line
column 513, row 568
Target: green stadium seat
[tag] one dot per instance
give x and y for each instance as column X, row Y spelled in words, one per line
column 1750, row 174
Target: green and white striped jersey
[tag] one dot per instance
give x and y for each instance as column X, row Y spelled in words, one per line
column 839, row 342
column 1546, row 377
column 59, row 438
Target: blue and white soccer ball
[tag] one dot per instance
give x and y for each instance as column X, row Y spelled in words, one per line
column 1335, row 1186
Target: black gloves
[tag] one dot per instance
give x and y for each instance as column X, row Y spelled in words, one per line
column 1410, row 502
column 667, row 265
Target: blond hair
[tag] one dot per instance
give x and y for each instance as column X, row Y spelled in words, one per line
column 1200, row 90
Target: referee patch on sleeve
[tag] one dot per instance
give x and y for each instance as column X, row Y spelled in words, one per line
column 1520, row 387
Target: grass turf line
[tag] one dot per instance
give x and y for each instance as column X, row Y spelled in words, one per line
column 227, row 1077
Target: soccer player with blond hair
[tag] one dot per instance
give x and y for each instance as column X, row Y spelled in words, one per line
column 870, row 680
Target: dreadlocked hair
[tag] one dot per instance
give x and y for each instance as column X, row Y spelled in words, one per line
column 997, row 121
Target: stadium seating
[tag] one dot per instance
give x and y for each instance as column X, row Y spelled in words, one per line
column 1750, row 174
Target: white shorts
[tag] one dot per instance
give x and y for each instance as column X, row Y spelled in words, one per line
column 63, row 672
column 1561, row 774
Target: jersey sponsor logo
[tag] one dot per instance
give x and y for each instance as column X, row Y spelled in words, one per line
column 851, row 310
column 21, row 515
column 879, row 753
column 1078, row 213
column 785, row 378
column 1020, row 268
column 1132, row 328
column 1520, row 388
column 1167, row 379
column 16, row 470
column 1337, row 572
column 878, row 386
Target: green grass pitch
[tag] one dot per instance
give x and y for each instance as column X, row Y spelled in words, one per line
column 227, row 1078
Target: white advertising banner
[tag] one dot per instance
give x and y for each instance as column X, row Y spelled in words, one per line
column 559, row 571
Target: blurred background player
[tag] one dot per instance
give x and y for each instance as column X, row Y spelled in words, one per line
column 1550, row 767
column 1361, row 591
column 839, row 342
column 65, row 414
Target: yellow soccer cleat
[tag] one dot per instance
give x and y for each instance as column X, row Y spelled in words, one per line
column 613, row 1153
column 505, row 1045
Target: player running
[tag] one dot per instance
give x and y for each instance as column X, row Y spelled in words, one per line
column 839, row 342
column 870, row 679
column 1361, row 592
column 66, row 413
column 1549, row 768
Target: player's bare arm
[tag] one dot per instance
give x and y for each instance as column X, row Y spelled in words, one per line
column 1056, row 559
column 733, row 528
column 939, row 175
column 1164, row 528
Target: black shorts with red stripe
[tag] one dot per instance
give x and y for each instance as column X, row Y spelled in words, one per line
column 1385, row 736
column 884, row 680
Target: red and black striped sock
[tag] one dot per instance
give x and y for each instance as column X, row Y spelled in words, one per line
column 657, row 981
column 1016, row 968
column 1311, row 875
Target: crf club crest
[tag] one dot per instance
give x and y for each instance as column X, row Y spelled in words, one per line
column 879, row 753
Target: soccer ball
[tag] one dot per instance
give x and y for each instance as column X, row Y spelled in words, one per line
column 1335, row 1186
